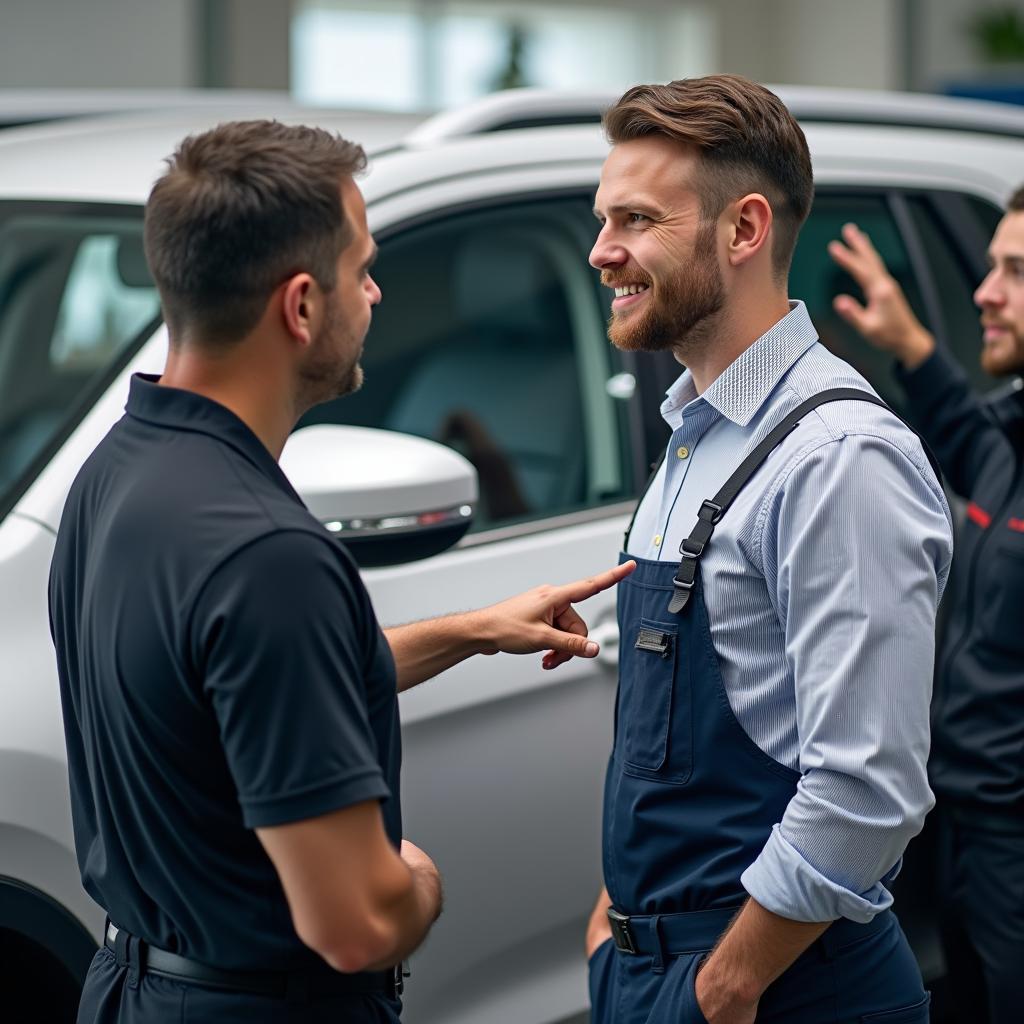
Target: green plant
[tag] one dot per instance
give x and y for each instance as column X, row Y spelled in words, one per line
column 999, row 33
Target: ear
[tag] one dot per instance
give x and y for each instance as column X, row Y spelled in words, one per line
column 298, row 301
column 750, row 228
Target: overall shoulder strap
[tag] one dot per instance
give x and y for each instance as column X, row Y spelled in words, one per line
column 711, row 511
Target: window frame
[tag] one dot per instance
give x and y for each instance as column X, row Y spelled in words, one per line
column 637, row 424
column 91, row 393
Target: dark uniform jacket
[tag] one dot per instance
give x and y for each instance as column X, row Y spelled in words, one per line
column 977, row 762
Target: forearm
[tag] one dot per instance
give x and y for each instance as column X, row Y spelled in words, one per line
column 756, row 948
column 413, row 916
column 951, row 418
column 425, row 649
column 915, row 346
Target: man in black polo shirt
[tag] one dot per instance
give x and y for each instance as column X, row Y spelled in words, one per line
column 977, row 760
column 229, row 698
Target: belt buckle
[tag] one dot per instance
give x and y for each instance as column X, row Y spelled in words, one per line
column 399, row 973
column 621, row 932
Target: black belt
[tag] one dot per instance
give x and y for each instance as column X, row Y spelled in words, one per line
column 699, row 930
column 142, row 958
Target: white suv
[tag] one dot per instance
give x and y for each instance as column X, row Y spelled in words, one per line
column 491, row 340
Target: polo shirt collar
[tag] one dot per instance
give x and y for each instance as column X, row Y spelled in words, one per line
column 744, row 386
column 178, row 409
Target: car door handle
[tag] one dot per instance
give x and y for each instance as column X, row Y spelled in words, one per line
column 606, row 636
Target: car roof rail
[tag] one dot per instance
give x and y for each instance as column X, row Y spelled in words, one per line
column 542, row 108
column 514, row 109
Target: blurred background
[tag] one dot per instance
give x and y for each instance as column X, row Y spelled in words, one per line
column 423, row 55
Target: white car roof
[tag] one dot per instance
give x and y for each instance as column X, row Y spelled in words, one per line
column 30, row 106
column 116, row 159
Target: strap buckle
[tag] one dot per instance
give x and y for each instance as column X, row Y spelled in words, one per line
column 399, row 973
column 709, row 511
column 621, row 932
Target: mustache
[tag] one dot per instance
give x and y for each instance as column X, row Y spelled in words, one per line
column 621, row 279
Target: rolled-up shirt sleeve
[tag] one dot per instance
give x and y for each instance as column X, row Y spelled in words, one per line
column 856, row 547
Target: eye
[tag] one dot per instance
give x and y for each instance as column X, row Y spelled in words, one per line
column 636, row 218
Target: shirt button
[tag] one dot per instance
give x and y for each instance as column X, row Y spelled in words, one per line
column 682, row 451
column 657, row 540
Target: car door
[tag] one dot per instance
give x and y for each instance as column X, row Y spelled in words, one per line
column 75, row 302
column 491, row 338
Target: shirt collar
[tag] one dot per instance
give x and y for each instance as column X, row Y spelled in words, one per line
column 744, row 386
column 178, row 409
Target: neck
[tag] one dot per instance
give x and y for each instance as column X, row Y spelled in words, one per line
column 241, row 380
column 734, row 330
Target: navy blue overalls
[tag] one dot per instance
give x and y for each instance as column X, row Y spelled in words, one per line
column 690, row 800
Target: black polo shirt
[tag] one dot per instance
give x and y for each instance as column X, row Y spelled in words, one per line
column 221, row 669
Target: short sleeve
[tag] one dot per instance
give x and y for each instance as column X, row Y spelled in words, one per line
column 281, row 635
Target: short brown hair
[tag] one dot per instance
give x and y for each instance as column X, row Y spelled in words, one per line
column 1016, row 201
column 748, row 142
column 240, row 208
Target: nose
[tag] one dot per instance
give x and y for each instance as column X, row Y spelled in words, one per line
column 990, row 291
column 373, row 291
column 607, row 252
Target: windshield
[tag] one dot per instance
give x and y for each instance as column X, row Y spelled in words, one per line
column 76, row 299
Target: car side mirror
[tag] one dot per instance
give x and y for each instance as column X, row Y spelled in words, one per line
column 389, row 497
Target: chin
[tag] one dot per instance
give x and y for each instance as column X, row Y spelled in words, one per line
column 642, row 336
column 1003, row 361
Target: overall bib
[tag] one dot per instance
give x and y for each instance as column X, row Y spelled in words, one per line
column 690, row 800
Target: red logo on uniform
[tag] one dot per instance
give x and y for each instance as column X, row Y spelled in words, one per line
column 979, row 516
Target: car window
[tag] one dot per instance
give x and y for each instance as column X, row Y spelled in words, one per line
column 75, row 296
column 491, row 339
column 952, row 268
column 816, row 279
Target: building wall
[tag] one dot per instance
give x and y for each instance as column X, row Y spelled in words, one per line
column 814, row 42
column 244, row 43
column 97, row 43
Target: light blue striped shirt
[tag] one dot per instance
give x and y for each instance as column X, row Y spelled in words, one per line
column 821, row 585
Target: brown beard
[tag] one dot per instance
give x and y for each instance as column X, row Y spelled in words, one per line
column 999, row 361
column 324, row 376
column 678, row 312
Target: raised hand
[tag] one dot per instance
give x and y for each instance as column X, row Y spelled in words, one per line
column 886, row 320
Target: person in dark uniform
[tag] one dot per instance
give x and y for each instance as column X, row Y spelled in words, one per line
column 777, row 636
column 977, row 760
column 229, row 699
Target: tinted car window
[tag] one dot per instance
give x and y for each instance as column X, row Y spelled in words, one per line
column 75, row 296
column 816, row 279
column 955, row 282
column 490, row 338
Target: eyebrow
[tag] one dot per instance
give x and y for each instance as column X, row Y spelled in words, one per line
column 1010, row 257
column 644, row 208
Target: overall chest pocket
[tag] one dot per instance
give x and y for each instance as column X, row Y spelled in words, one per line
column 655, row 734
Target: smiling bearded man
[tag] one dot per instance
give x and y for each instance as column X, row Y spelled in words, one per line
column 768, row 765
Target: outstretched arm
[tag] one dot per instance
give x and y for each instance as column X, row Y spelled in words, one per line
column 542, row 619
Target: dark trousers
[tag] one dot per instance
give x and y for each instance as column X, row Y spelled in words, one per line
column 981, row 920
column 114, row 995
column 859, row 982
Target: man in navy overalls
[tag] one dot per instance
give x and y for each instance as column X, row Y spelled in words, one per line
column 771, row 728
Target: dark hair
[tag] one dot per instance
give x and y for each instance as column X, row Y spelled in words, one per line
column 748, row 142
column 240, row 208
column 1016, row 201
